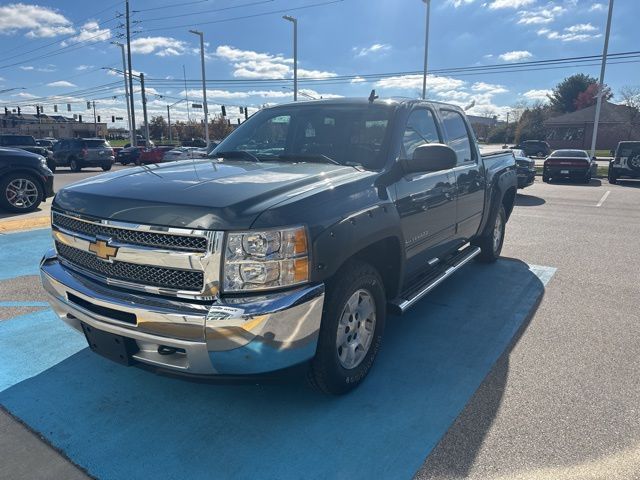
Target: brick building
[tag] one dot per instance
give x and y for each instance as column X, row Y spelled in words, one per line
column 575, row 129
column 56, row 126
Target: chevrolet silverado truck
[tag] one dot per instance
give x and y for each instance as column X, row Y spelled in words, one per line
column 287, row 247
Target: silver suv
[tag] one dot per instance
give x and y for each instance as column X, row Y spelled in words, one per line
column 78, row 153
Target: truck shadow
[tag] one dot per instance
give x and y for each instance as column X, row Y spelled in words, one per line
column 432, row 362
column 523, row 200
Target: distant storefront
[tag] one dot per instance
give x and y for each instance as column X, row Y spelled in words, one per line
column 574, row 130
column 56, row 126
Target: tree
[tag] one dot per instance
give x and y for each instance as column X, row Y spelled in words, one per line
column 590, row 96
column 158, row 127
column 219, row 128
column 565, row 95
column 531, row 124
column 631, row 98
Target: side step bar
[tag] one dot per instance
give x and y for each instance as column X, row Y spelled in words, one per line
column 408, row 298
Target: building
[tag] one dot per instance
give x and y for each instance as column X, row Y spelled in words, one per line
column 575, row 130
column 482, row 125
column 56, row 126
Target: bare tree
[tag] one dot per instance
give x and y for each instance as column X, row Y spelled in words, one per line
column 630, row 96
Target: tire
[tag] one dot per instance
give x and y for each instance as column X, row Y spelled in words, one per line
column 74, row 165
column 358, row 288
column 587, row 180
column 545, row 178
column 20, row 192
column 106, row 168
column 491, row 242
column 611, row 177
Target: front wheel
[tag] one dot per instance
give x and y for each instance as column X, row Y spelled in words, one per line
column 106, row 168
column 611, row 177
column 74, row 165
column 352, row 327
column 20, row 192
column 545, row 178
column 491, row 242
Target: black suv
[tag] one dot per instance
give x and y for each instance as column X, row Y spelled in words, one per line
column 534, row 148
column 28, row 143
column 25, row 180
column 77, row 153
column 626, row 162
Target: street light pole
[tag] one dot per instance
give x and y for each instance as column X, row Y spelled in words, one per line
column 295, row 54
column 144, row 110
column 126, row 90
column 132, row 128
column 204, row 87
column 426, row 51
column 169, row 122
column 594, row 137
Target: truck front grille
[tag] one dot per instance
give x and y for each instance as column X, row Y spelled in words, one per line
column 132, row 237
column 128, row 272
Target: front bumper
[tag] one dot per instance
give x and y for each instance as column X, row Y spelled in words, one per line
column 233, row 336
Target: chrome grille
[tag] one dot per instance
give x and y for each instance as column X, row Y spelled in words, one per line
column 129, row 272
column 132, row 237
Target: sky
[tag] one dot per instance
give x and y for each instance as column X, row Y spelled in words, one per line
column 59, row 52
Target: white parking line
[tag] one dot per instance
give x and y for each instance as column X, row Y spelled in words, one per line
column 604, row 197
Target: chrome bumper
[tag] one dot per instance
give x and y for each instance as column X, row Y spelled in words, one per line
column 233, row 336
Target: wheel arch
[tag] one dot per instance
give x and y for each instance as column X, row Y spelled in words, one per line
column 31, row 174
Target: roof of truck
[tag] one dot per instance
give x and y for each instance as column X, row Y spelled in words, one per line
column 391, row 101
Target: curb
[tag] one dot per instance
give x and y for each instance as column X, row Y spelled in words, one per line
column 7, row 226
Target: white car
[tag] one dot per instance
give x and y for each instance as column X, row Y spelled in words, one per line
column 184, row 153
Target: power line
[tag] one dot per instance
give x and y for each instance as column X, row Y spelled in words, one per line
column 251, row 4
column 170, row 5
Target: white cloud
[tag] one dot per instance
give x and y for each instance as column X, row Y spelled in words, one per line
column 540, row 16
column 358, row 80
column 490, row 88
column 61, row 83
column 576, row 33
column 379, row 48
column 413, row 82
column 90, row 32
column 450, row 95
column 498, row 4
column 459, row 3
column 26, row 67
column 251, row 64
column 24, row 95
column 598, row 7
column 83, row 67
column 515, row 55
column 161, row 46
column 537, row 95
column 36, row 20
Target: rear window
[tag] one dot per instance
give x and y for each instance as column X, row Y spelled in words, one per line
column 96, row 144
column 628, row 149
column 17, row 140
column 570, row 153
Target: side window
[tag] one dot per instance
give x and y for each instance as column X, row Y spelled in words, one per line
column 458, row 136
column 421, row 129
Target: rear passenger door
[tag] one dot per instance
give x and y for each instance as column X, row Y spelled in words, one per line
column 59, row 152
column 469, row 174
column 425, row 201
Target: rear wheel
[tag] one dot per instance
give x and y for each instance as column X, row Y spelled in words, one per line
column 545, row 178
column 587, row 179
column 491, row 242
column 20, row 192
column 74, row 165
column 106, row 168
column 612, row 177
column 352, row 327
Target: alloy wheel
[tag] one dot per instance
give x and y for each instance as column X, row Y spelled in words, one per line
column 356, row 328
column 21, row 193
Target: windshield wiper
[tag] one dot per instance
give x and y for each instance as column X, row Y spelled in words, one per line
column 235, row 154
column 311, row 157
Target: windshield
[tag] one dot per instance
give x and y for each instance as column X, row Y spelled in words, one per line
column 96, row 144
column 570, row 153
column 345, row 134
column 17, row 140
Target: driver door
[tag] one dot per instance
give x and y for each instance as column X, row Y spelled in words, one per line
column 426, row 202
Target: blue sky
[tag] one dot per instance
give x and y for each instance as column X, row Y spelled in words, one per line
column 56, row 51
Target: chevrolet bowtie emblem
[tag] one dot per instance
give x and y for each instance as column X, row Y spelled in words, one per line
column 103, row 250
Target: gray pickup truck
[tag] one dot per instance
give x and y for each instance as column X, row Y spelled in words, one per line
column 288, row 246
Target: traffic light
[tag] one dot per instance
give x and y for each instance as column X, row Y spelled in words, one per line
column 246, row 113
column 88, row 105
column 241, row 110
column 238, row 121
column 224, row 111
column 6, row 111
column 55, row 108
column 68, row 107
column 98, row 118
column 37, row 110
column 19, row 111
column 80, row 118
column 113, row 119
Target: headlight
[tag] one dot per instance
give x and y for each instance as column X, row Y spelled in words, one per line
column 264, row 260
column 43, row 161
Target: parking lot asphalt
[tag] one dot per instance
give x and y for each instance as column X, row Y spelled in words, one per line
column 520, row 391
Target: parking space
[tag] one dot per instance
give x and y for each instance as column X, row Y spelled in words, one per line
column 506, row 371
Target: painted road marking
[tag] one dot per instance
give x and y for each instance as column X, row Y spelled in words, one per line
column 604, row 197
column 7, row 226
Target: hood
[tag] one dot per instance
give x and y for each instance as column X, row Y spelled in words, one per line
column 198, row 193
column 33, row 149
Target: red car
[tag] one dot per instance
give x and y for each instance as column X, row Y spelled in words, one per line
column 152, row 155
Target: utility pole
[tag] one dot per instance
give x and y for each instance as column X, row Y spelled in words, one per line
column 204, row 88
column 95, row 121
column 426, row 52
column 506, row 132
column 594, row 137
column 133, row 112
column 295, row 54
column 144, row 110
column 126, row 92
column 169, row 122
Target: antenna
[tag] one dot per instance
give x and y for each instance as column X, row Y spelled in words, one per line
column 372, row 96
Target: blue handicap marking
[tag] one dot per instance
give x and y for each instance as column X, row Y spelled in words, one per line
column 119, row 422
column 20, row 253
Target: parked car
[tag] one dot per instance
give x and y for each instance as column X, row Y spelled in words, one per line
column 534, row 148
column 318, row 218
column 526, row 168
column 128, row 155
column 25, row 180
column 28, row 143
column 79, row 153
column 626, row 162
column 184, row 153
column 152, row 155
column 46, row 143
column 571, row 164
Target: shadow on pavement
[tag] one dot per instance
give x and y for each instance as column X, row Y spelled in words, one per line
column 529, row 200
column 595, row 182
column 120, row 422
column 625, row 182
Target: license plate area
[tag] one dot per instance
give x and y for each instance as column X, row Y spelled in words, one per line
column 564, row 172
column 114, row 347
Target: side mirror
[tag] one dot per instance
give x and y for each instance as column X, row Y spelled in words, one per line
column 432, row 157
column 594, row 158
